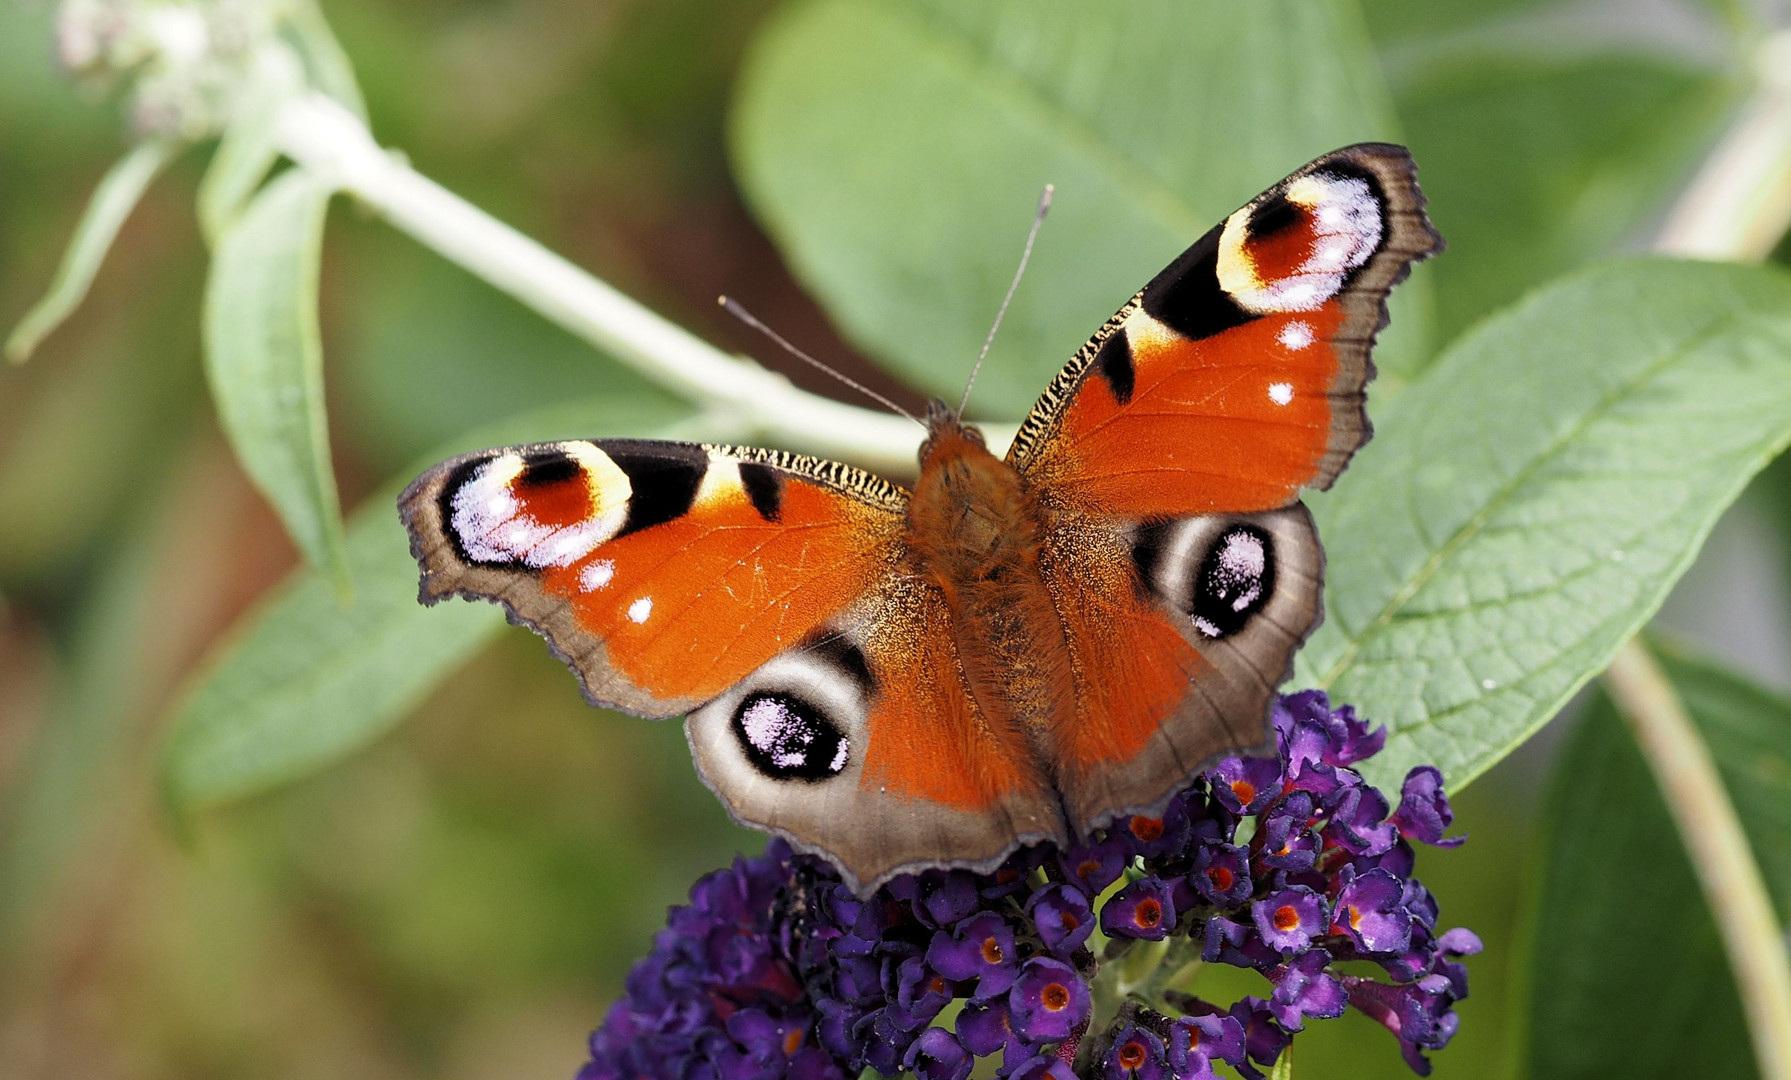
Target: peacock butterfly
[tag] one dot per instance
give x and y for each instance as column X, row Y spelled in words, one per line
column 1020, row 648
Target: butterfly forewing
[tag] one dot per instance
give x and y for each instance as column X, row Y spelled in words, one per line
column 1236, row 376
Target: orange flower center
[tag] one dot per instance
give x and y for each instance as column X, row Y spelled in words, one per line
column 1244, row 790
column 991, row 951
column 1149, row 913
column 1131, row 1055
column 1087, row 869
column 1056, row 997
column 1221, row 877
column 1070, row 922
column 792, row 1042
column 1147, row 828
column 1286, row 918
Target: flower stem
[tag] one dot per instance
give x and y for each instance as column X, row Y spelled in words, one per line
column 1718, row 848
column 322, row 136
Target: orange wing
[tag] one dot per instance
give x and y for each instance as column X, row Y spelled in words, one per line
column 769, row 596
column 1236, row 376
column 662, row 573
column 1168, row 456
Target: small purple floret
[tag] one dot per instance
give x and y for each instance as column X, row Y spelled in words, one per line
column 1136, row 1054
column 1062, row 917
column 980, row 948
column 1424, row 811
column 937, row 1055
column 1047, row 1001
column 1195, row 1042
column 1144, row 909
column 1304, row 988
column 1246, row 785
column 1288, row 919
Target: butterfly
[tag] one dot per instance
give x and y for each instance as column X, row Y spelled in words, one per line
column 1017, row 649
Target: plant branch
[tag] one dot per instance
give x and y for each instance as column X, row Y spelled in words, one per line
column 1737, row 207
column 322, row 136
column 1719, row 851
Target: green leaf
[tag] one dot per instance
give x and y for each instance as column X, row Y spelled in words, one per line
column 896, row 151
column 1283, row 1067
column 265, row 362
column 1624, row 973
column 248, row 147
column 117, row 194
column 304, row 680
column 1527, row 504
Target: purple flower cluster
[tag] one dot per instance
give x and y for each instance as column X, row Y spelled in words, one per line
column 1287, row 865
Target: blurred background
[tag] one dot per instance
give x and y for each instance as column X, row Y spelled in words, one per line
column 461, row 899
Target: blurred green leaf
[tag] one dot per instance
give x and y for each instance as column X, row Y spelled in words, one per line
column 265, row 362
column 81, row 755
column 1547, row 132
column 248, row 149
column 1534, row 166
column 427, row 351
column 896, row 150
column 112, row 202
column 306, row 680
column 1626, row 973
column 1527, row 504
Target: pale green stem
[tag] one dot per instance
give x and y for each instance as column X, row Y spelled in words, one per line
column 322, row 136
column 1719, row 850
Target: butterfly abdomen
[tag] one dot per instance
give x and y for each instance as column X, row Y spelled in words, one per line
column 975, row 529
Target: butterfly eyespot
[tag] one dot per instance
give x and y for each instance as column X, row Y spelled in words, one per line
column 1234, row 582
column 787, row 738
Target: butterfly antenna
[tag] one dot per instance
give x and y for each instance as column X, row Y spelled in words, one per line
column 1038, row 219
column 732, row 307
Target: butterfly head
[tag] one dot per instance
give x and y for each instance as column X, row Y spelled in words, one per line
column 947, row 433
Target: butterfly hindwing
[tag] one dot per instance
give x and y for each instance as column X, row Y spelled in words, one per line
column 1174, row 445
column 865, row 745
column 1179, row 632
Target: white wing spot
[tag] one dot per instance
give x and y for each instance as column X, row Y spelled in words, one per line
column 1296, row 335
column 1281, row 392
column 1241, row 564
column 640, row 609
column 1488, row 684
column 596, row 575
